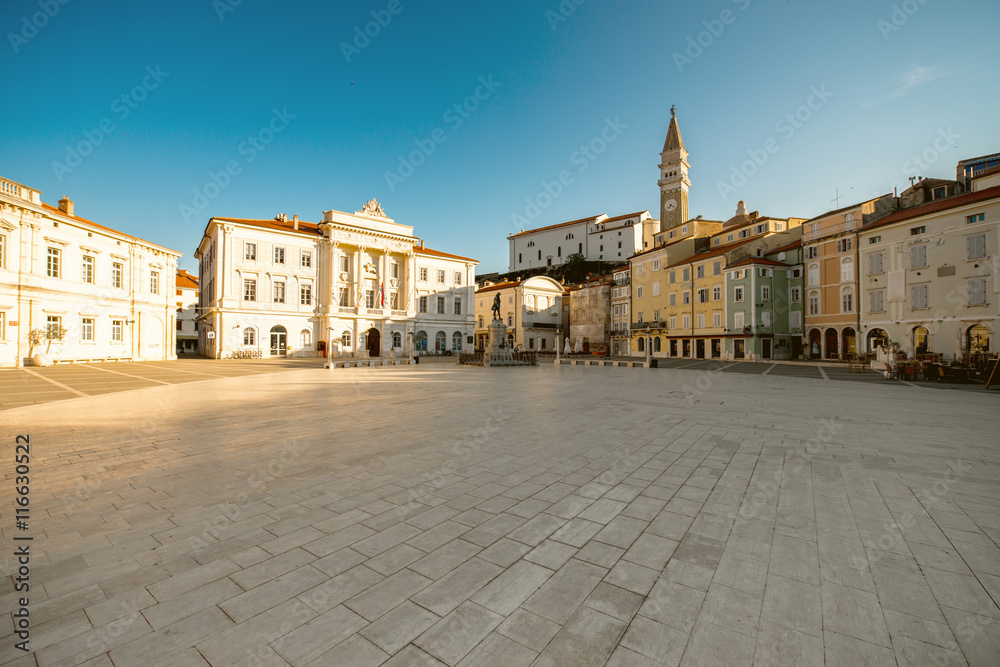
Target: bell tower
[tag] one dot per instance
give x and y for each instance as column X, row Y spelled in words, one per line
column 674, row 183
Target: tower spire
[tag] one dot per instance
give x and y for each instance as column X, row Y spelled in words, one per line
column 673, row 181
column 674, row 141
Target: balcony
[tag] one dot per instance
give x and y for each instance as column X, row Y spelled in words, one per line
column 825, row 232
column 541, row 325
column 621, row 281
column 347, row 310
column 398, row 313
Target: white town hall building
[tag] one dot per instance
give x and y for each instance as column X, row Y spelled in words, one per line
column 355, row 284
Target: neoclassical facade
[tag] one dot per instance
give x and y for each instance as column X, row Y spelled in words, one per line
column 112, row 293
column 532, row 309
column 356, row 284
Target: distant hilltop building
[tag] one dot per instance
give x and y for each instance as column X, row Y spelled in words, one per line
column 598, row 238
column 355, row 285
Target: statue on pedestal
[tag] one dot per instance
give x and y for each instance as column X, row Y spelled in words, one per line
column 496, row 307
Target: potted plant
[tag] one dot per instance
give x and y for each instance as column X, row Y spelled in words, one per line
column 49, row 334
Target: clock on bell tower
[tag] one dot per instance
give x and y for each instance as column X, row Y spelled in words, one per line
column 674, row 182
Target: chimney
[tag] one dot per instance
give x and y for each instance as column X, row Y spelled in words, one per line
column 66, row 206
column 295, row 222
column 421, row 244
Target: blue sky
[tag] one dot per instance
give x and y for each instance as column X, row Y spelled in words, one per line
column 245, row 108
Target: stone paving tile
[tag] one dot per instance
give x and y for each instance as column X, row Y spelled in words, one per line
column 588, row 638
column 451, row 638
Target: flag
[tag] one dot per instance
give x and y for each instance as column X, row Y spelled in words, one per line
column 382, row 295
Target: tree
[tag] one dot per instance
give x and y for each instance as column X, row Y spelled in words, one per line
column 575, row 268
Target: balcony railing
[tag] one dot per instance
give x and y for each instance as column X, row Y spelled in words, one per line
column 825, row 232
column 347, row 310
column 398, row 313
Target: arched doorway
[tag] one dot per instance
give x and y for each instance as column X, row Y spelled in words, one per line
column 420, row 341
column 977, row 339
column 440, row 342
column 279, row 341
column 815, row 344
column 832, row 348
column 877, row 338
column 374, row 342
column 921, row 341
column 850, row 346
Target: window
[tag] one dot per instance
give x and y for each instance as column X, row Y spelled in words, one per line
column 250, row 251
column 939, row 193
column 673, row 277
column 701, row 320
column 279, row 255
column 617, row 313
column 531, row 343
column 843, row 245
column 729, row 238
column 874, row 239
column 3, row 247
column 656, row 265
column 456, row 342
column 638, row 292
column 520, row 258
column 88, row 269
column 814, row 303
column 394, row 300
column 765, row 293
column 53, row 323
column 440, row 305
column 701, row 271
column 638, row 269
column 345, row 338
column 640, row 317
column 441, row 277
column 423, row 304
column 673, row 298
column 458, row 306
column 345, row 264
column 686, row 274
column 744, row 233
column 531, row 244
column 795, row 319
column 397, row 339
column 423, row 274
column 369, row 298
column 738, row 294
column 977, row 246
column 703, row 295
column 765, row 318
column 812, row 252
column 116, row 331
column 306, row 260
column 249, row 336
column 738, row 320
column 656, row 315
column 305, row 295
column 458, row 277
column 684, row 229
column 53, row 256
column 540, row 254
column 918, row 296
column 977, row 292
column 686, row 321
column 795, row 294
column 918, row 257
column 875, row 263
column 249, row 289
column 116, row 275
column 569, row 236
column 685, row 297
column 345, row 297
column 978, row 217
column 279, row 292
column 717, row 293
column 847, row 301
column 916, row 231
column 847, row 269
column 813, row 274
column 87, row 329
column 673, row 322
column 716, row 268
column 305, row 338
column 717, row 318
column 656, row 288
column 154, row 282
column 877, row 301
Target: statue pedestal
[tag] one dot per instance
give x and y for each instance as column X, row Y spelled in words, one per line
column 497, row 352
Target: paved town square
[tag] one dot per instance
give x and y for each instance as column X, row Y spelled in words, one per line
column 436, row 514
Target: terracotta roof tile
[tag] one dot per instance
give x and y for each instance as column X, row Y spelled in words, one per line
column 437, row 253
column 561, row 224
column 185, row 280
column 91, row 222
column 756, row 260
column 499, row 286
column 936, row 206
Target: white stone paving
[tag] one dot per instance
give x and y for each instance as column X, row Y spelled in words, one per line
column 552, row 516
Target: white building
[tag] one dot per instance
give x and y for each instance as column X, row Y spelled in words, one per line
column 186, row 292
column 599, row 238
column 110, row 292
column 355, row 284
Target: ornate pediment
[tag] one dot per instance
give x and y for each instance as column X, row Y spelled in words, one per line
column 372, row 209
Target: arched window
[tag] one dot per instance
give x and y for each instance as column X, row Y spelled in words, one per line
column 249, row 336
column 456, row 341
column 480, row 321
column 569, row 236
column 656, row 343
column 420, row 340
column 978, row 339
column 305, row 338
column 847, row 269
column 531, row 244
column 921, row 340
column 345, row 338
column 440, row 341
column 847, row 300
column 813, row 275
column 642, row 344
